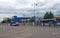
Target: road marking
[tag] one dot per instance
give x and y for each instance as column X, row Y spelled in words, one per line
column 24, row 36
column 55, row 33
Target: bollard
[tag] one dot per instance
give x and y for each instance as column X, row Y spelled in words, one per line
column 33, row 24
column 42, row 24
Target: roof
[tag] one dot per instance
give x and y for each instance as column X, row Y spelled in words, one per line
column 57, row 17
column 47, row 19
column 24, row 17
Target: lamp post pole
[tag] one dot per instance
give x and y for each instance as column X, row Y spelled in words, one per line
column 34, row 13
column 34, row 9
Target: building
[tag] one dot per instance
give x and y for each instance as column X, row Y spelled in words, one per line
column 23, row 19
column 57, row 18
column 20, row 19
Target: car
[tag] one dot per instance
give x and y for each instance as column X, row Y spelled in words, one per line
column 58, row 23
column 46, row 24
column 12, row 23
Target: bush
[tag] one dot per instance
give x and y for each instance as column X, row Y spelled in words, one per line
column 32, row 20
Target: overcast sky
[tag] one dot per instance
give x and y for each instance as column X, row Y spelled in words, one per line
column 17, row 4
column 13, row 6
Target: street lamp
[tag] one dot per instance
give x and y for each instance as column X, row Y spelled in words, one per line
column 34, row 8
column 23, row 15
column 34, row 12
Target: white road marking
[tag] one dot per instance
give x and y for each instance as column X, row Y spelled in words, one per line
column 55, row 33
column 24, row 36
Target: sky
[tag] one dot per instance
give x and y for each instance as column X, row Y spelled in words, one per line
column 20, row 7
column 17, row 4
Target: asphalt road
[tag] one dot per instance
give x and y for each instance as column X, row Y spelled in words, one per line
column 45, row 32
column 7, row 31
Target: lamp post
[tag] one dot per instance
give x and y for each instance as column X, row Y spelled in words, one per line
column 23, row 19
column 34, row 12
column 23, row 15
column 34, row 9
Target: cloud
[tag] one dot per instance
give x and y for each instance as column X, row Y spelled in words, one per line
column 17, row 6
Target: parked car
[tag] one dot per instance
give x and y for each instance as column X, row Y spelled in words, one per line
column 49, row 22
column 52, row 23
column 58, row 23
column 46, row 24
column 12, row 23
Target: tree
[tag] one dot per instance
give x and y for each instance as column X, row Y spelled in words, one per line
column 51, row 16
column 6, row 20
column 48, row 15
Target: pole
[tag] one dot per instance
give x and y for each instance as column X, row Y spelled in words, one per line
column 34, row 9
column 34, row 15
column 23, row 19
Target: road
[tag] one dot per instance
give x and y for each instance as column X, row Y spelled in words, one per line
column 45, row 32
column 7, row 31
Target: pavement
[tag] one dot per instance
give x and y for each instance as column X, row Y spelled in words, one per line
column 7, row 31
